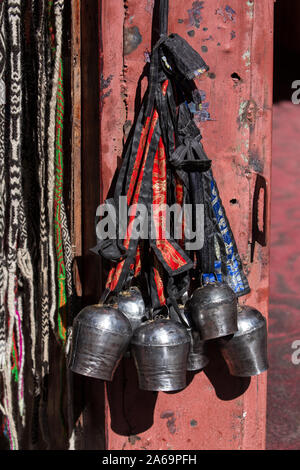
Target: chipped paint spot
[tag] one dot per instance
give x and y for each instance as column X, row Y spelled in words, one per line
column 105, row 95
column 210, row 38
column 256, row 164
column 247, row 57
column 247, row 114
column 195, row 16
column 232, row 35
column 169, row 415
column 244, row 414
column 250, row 11
column 105, row 82
column 193, row 423
column 132, row 439
column 132, row 39
column 191, row 33
column 228, row 14
column 180, row 20
column 211, row 75
column 244, row 157
column 171, row 425
column 204, row 48
column 150, row 6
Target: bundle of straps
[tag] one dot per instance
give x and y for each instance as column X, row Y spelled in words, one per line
column 164, row 163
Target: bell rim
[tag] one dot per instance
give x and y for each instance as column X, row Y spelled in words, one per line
column 252, row 375
column 102, row 329
column 90, row 375
column 189, row 369
column 231, row 299
column 241, row 332
column 162, row 389
column 215, row 304
column 159, row 345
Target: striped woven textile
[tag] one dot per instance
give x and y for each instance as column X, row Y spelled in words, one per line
column 36, row 286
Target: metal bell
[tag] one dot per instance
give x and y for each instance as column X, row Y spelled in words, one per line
column 160, row 349
column 101, row 335
column 197, row 358
column 131, row 303
column 213, row 310
column 246, row 351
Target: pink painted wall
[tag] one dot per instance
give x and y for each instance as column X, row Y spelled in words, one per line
column 215, row 411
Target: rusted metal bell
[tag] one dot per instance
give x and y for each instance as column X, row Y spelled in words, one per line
column 246, row 351
column 101, row 335
column 213, row 310
column 131, row 303
column 160, row 349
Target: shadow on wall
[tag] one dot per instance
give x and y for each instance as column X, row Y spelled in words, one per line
column 132, row 409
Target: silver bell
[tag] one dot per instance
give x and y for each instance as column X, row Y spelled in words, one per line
column 197, row 358
column 246, row 351
column 213, row 310
column 131, row 303
column 101, row 335
column 160, row 349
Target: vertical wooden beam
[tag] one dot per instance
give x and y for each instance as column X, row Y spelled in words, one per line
column 86, row 198
column 216, row 410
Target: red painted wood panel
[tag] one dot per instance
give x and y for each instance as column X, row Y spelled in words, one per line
column 215, row 411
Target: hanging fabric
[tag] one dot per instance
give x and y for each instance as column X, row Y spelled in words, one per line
column 166, row 146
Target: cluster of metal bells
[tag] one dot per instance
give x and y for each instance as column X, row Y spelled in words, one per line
column 240, row 331
column 164, row 349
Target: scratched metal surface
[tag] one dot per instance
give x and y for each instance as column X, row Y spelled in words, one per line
column 215, row 411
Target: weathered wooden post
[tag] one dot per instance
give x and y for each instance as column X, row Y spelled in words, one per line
column 216, row 410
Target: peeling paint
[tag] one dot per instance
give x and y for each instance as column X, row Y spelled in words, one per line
column 132, row 39
column 105, row 82
column 169, row 415
column 247, row 57
column 105, row 95
column 171, row 425
column 256, row 164
column 247, row 114
column 210, row 38
column 132, row 439
column 228, row 13
column 195, row 16
column 250, row 11
column 149, row 7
